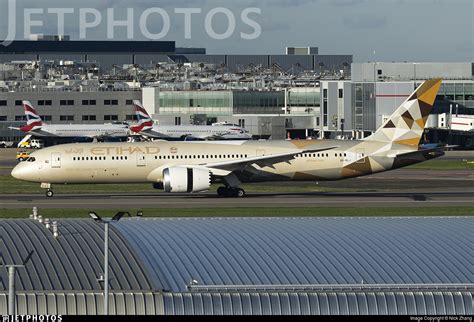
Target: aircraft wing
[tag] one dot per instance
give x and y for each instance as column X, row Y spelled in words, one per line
column 262, row 161
column 217, row 136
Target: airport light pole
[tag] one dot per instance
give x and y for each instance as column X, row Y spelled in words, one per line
column 11, row 283
column 106, row 223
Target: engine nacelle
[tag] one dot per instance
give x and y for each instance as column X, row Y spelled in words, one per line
column 184, row 179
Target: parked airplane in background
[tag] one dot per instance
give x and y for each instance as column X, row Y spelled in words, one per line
column 147, row 128
column 186, row 167
column 36, row 127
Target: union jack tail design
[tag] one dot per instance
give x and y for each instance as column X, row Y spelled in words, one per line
column 145, row 122
column 33, row 120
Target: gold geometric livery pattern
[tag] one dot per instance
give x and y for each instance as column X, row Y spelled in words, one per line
column 406, row 125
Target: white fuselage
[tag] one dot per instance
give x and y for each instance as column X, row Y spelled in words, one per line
column 145, row 162
column 82, row 130
column 197, row 131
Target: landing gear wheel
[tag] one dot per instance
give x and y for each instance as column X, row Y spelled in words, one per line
column 49, row 193
column 239, row 193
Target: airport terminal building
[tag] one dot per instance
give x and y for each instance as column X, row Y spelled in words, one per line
column 300, row 94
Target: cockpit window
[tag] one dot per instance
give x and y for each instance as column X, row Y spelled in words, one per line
column 31, row 159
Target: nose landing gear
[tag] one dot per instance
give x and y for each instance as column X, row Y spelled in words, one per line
column 49, row 193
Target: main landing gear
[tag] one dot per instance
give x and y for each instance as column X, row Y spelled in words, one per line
column 231, row 188
column 229, row 192
column 49, row 193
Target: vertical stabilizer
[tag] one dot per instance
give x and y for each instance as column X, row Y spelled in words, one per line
column 33, row 120
column 407, row 124
column 145, row 122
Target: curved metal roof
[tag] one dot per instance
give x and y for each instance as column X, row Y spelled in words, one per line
column 167, row 254
column 294, row 251
column 72, row 262
column 261, row 303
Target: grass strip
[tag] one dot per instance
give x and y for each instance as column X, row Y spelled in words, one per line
column 250, row 212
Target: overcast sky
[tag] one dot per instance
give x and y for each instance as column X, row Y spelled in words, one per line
column 382, row 30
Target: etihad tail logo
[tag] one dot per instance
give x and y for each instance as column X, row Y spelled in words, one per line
column 407, row 124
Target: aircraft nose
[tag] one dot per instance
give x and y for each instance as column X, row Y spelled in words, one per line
column 18, row 172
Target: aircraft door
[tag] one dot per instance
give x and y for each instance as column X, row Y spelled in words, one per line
column 55, row 160
column 260, row 153
column 141, row 160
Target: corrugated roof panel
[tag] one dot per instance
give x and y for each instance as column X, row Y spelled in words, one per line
column 362, row 303
column 430, row 304
column 71, row 303
column 271, row 303
column 189, row 307
column 450, row 304
column 420, row 302
column 382, row 305
column 71, row 262
column 207, row 304
column 324, row 304
column 353, row 308
column 31, row 304
column 261, row 251
column 392, row 308
column 333, row 304
column 236, row 304
column 150, row 304
column 459, row 304
column 81, row 303
column 342, row 303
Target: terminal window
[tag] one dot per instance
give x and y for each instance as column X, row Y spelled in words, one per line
column 66, row 102
column 110, row 117
column 3, row 103
column 18, row 103
column 110, row 102
column 66, row 117
column 88, row 102
column 89, row 117
column 45, row 102
column 3, row 118
column 129, row 102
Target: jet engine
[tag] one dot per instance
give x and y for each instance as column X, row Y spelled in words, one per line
column 184, row 179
